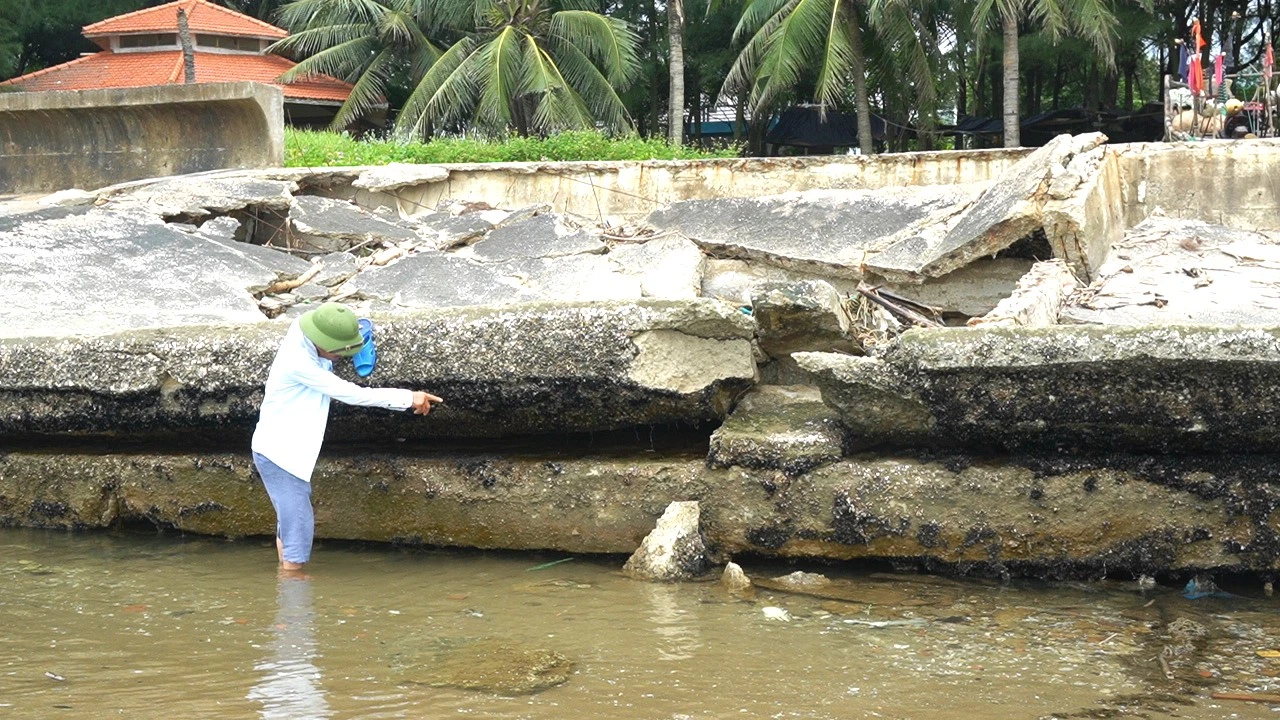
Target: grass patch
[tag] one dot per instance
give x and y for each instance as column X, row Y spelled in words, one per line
column 312, row 148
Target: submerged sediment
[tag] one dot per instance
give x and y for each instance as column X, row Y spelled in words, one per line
column 1066, row 517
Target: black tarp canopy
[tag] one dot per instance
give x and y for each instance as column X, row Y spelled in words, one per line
column 804, row 126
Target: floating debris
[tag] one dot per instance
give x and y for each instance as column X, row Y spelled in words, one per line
column 776, row 613
column 879, row 624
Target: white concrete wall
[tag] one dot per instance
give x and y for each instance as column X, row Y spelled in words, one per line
column 623, row 191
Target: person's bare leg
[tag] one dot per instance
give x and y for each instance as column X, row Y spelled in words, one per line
column 285, row 564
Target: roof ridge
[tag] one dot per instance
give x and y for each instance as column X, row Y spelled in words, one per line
column 240, row 15
column 130, row 14
column 177, row 67
column 189, row 6
column 52, row 68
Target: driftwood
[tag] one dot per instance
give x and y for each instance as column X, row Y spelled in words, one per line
column 1247, row 697
column 904, row 308
column 286, row 285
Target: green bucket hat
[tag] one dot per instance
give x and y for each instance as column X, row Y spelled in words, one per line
column 333, row 328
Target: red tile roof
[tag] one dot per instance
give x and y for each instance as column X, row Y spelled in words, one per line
column 202, row 17
column 140, row 69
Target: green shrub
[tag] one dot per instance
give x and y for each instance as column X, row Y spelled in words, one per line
column 311, row 148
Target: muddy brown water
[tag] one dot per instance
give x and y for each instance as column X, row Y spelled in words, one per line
column 141, row 626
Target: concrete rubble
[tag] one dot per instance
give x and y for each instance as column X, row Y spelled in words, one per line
column 1100, row 400
column 674, row 550
column 781, row 427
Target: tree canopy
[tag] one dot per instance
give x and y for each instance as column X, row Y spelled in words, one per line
column 492, row 67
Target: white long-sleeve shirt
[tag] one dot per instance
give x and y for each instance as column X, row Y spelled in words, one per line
column 295, row 406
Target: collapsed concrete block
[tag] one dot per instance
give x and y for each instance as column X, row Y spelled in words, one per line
column 674, row 550
column 782, row 427
column 337, row 225
column 541, row 236
column 668, row 267
column 878, row 402
column 1149, row 389
column 807, row 316
column 336, row 268
column 734, row 579
column 828, row 233
column 443, row 231
column 1038, row 299
column 194, row 197
column 1006, row 212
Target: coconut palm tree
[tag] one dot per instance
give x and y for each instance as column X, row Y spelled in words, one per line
column 490, row 66
column 790, row 42
column 675, row 64
column 370, row 43
column 1091, row 20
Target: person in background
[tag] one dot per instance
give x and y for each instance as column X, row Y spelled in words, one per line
column 295, row 412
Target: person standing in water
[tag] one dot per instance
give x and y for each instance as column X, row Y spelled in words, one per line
column 295, row 411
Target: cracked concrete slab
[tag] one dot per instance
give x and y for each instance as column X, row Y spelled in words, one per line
column 540, row 236
column 1008, row 210
column 195, row 196
column 337, row 225
column 444, row 280
column 96, row 271
column 444, row 231
column 1169, row 270
column 667, row 267
column 393, row 176
column 827, row 232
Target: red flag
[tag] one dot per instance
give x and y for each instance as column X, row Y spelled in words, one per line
column 1195, row 75
column 1269, row 63
column 1195, row 35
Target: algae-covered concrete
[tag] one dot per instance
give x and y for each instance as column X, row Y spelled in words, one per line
column 1159, row 389
column 1090, row 516
column 503, row 371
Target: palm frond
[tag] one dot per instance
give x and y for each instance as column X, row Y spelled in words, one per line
column 368, row 92
column 313, row 40
column 837, row 61
column 791, row 49
column 757, row 14
column 556, row 105
column 594, row 88
column 445, row 92
column 743, row 72
column 500, row 76
column 911, row 45
column 304, row 14
column 345, row 61
column 606, row 41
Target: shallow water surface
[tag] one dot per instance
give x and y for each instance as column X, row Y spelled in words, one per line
column 131, row 625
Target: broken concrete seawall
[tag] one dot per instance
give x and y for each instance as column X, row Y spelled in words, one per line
column 1025, row 362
